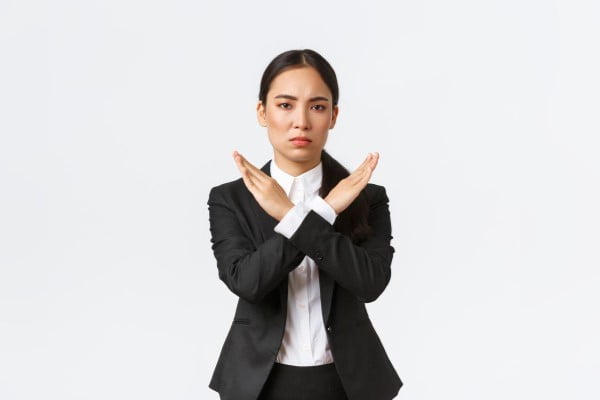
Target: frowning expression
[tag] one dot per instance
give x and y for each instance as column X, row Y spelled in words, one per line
column 298, row 115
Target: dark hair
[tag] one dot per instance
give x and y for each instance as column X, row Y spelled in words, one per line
column 353, row 221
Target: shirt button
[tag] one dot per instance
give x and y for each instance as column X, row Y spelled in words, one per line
column 301, row 305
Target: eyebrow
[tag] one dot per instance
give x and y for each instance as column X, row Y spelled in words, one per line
column 287, row 96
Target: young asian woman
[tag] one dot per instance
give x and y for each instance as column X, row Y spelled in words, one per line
column 304, row 244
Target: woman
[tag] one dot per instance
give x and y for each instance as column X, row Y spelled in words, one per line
column 304, row 244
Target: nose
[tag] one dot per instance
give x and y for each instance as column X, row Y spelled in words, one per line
column 301, row 119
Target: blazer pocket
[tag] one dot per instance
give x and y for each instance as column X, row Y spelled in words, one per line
column 242, row 321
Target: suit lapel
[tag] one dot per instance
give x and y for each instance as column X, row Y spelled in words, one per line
column 267, row 224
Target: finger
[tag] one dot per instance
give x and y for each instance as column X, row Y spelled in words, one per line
column 370, row 167
column 243, row 165
column 238, row 161
column 358, row 176
column 362, row 166
column 247, row 163
column 374, row 160
column 367, row 159
column 246, row 176
column 256, row 173
column 248, row 180
column 237, row 157
column 364, row 176
column 366, row 163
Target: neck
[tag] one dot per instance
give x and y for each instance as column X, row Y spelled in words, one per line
column 294, row 168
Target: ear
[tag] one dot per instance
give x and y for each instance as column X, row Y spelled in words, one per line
column 334, row 115
column 261, row 113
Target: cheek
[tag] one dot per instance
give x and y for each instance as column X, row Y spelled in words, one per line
column 324, row 126
column 277, row 120
column 276, row 135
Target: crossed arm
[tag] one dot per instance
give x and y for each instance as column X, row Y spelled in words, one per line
column 252, row 272
column 248, row 271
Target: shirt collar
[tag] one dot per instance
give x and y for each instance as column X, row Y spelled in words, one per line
column 311, row 179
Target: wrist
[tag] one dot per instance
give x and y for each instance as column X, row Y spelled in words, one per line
column 332, row 204
column 285, row 210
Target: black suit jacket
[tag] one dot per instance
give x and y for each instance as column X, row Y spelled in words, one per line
column 254, row 262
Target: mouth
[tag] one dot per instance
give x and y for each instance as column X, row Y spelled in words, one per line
column 300, row 141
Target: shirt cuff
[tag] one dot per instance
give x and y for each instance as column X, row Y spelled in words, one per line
column 292, row 220
column 321, row 207
column 294, row 217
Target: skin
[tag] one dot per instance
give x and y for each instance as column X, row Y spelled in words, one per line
column 286, row 118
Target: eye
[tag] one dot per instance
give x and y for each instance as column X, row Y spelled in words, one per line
column 322, row 107
column 284, row 104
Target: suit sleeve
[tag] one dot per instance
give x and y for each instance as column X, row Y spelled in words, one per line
column 248, row 271
column 363, row 269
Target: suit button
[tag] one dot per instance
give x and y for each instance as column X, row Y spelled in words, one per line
column 319, row 256
column 329, row 329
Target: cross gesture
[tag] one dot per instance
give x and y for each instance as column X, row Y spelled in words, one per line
column 273, row 199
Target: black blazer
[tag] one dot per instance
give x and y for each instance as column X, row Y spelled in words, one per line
column 254, row 262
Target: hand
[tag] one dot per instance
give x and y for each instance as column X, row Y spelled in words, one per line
column 265, row 189
column 348, row 189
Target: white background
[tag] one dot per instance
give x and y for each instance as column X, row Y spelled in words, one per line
column 117, row 117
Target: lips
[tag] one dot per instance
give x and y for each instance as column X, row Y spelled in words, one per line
column 300, row 141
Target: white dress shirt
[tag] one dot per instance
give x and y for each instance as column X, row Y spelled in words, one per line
column 304, row 341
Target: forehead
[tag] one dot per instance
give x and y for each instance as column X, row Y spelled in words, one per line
column 299, row 81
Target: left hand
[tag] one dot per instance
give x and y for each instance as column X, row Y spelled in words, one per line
column 265, row 189
column 347, row 189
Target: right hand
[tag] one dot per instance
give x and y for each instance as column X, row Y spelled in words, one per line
column 265, row 189
column 348, row 189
